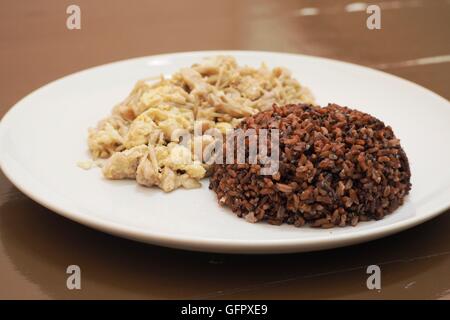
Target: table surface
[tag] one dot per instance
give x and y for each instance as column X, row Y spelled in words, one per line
column 36, row 245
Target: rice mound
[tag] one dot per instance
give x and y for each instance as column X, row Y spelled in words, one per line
column 337, row 166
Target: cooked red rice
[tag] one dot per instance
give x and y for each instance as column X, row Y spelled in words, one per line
column 337, row 167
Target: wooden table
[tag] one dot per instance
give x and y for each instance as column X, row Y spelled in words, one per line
column 37, row 245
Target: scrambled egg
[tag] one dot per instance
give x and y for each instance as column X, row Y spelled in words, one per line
column 167, row 167
column 143, row 138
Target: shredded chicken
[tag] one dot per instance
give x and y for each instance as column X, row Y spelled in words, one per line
column 139, row 138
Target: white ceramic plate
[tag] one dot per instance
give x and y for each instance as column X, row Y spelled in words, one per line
column 44, row 135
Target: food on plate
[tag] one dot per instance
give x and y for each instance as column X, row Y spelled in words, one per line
column 337, row 166
column 139, row 139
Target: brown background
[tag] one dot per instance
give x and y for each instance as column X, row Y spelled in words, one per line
column 36, row 245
